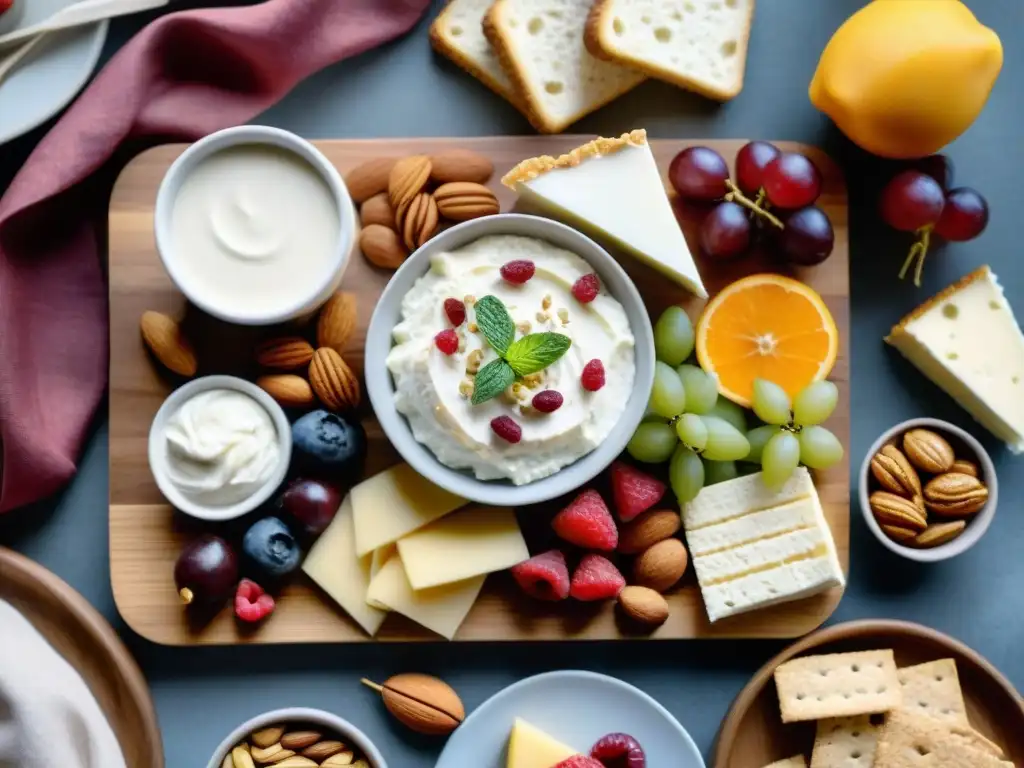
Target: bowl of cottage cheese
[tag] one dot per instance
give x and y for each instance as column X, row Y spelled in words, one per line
column 509, row 359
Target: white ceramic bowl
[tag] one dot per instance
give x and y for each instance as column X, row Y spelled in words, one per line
column 966, row 447
column 320, row 289
column 381, row 389
column 300, row 715
column 158, row 447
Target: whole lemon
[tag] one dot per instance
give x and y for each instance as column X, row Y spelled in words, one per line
column 903, row 78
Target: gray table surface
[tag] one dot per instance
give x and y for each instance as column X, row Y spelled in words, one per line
column 403, row 90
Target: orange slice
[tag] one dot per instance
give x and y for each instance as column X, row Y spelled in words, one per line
column 766, row 327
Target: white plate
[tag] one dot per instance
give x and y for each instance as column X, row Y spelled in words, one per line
column 52, row 75
column 577, row 708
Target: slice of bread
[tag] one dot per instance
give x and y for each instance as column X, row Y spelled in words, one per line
column 458, row 34
column 540, row 44
column 700, row 45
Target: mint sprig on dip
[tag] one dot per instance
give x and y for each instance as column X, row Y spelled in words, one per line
column 530, row 354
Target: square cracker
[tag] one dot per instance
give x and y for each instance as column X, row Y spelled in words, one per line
column 845, row 742
column 796, row 761
column 911, row 741
column 838, row 685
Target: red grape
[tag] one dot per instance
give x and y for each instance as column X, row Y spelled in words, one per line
column 313, row 503
column 751, row 161
column 726, row 231
column 912, row 200
column 964, row 216
column 699, row 173
column 791, row 181
column 808, row 237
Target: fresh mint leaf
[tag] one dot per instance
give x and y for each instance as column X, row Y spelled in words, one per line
column 536, row 352
column 493, row 379
column 496, row 323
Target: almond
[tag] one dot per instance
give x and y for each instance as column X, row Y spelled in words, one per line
column 661, row 565
column 649, row 528
column 407, row 179
column 894, row 472
column 284, row 353
column 464, row 200
column 165, row 340
column 955, row 495
column 965, row 467
column 422, row 703
column 289, row 390
column 940, row 533
column 343, row 760
column 891, row 509
column 299, row 739
column 333, row 381
column 271, row 735
column 377, row 210
column 322, row 750
column 381, row 246
column 272, row 754
column 417, row 221
column 898, row 533
column 337, row 321
column 241, row 758
column 928, row 451
column 460, row 165
column 369, row 178
column 297, row 761
column 643, row 605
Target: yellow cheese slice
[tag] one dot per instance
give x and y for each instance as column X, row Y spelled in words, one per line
column 378, row 557
column 530, row 747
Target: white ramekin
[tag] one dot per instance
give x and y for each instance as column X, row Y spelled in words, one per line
column 324, row 286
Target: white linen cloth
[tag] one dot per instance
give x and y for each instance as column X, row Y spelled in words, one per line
column 48, row 715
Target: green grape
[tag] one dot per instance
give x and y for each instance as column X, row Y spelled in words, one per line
column 771, row 403
column 815, row 403
column 725, row 442
column 719, row 472
column 668, row 398
column 701, row 388
column 758, row 438
column 685, row 474
column 729, row 411
column 779, row 458
column 819, row 448
column 692, row 431
column 673, row 336
column 652, row 442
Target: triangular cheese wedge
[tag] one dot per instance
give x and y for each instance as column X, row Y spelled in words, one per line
column 530, row 747
column 613, row 187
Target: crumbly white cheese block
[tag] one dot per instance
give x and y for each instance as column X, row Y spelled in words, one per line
column 760, row 555
column 741, row 496
column 766, row 588
column 802, row 513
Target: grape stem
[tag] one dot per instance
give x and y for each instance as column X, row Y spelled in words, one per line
column 918, row 251
column 735, row 195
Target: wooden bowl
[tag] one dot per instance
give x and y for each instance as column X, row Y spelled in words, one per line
column 753, row 735
column 78, row 633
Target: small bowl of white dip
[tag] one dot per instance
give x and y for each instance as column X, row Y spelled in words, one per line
column 254, row 225
column 219, row 447
column 423, row 396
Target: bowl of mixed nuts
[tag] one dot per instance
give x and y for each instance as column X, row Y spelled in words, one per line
column 297, row 738
column 928, row 490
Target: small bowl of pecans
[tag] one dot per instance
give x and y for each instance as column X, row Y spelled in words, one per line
column 928, row 490
column 297, row 738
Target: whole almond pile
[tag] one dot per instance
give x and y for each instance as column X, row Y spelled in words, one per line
column 296, row 746
column 925, row 493
column 403, row 202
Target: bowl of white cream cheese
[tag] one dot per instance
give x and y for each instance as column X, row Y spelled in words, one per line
column 254, row 225
column 219, row 447
column 509, row 359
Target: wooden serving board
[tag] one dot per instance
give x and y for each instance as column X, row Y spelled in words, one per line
column 146, row 534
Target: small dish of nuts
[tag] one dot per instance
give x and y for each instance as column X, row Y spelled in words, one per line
column 297, row 738
column 928, row 490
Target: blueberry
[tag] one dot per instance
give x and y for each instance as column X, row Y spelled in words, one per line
column 270, row 548
column 323, row 443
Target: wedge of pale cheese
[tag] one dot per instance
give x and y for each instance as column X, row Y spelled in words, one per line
column 530, row 747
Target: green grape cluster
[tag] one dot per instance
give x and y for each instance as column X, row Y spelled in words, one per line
column 792, row 434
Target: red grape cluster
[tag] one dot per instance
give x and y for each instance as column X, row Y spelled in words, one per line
column 919, row 201
column 774, row 191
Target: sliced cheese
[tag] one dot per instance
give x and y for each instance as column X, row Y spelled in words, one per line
column 333, row 564
column 803, row 513
column 378, row 557
column 395, row 503
column 779, row 585
column 473, row 542
column 530, row 747
column 761, row 555
column 742, row 496
column 441, row 609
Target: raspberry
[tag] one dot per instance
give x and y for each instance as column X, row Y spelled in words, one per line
column 586, row 288
column 518, row 271
column 634, row 491
column 544, row 576
column 596, row 578
column 592, row 377
column 619, row 750
column 587, row 523
column 505, row 428
column 252, row 604
column 447, row 341
column 456, row 311
column 547, row 401
column 579, row 761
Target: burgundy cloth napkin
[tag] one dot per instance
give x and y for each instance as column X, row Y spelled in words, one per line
column 183, row 76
